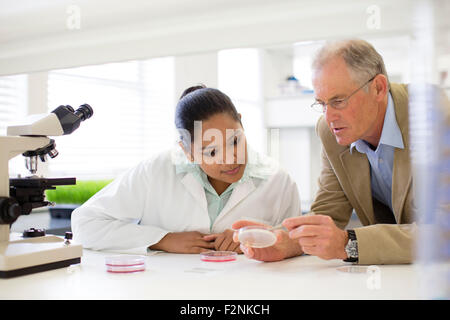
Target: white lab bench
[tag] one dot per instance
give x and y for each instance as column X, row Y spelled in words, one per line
column 184, row 276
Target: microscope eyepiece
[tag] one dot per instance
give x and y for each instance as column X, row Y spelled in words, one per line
column 69, row 108
column 70, row 120
column 84, row 112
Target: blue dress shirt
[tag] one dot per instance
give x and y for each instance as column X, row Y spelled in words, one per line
column 382, row 159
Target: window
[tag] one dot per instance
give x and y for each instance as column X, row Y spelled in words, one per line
column 13, row 100
column 133, row 105
column 239, row 76
column 13, row 105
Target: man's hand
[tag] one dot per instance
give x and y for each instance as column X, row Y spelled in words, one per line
column 284, row 247
column 318, row 235
column 183, row 242
column 223, row 241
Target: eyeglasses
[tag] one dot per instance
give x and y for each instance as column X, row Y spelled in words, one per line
column 338, row 104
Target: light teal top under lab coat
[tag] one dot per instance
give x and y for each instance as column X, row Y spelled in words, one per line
column 217, row 202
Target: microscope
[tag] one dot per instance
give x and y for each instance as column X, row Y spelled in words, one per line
column 33, row 251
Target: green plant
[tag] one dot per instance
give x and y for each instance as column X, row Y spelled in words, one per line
column 76, row 194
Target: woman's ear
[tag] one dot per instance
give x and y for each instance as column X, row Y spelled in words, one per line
column 240, row 120
column 187, row 154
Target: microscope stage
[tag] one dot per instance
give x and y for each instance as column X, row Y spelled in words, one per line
column 35, row 182
column 30, row 255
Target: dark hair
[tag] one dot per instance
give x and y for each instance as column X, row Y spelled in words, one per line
column 199, row 103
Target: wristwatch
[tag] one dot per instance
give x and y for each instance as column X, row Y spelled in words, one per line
column 352, row 247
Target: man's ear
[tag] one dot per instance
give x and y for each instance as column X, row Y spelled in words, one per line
column 188, row 155
column 381, row 86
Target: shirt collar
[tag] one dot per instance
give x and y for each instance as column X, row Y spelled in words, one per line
column 390, row 134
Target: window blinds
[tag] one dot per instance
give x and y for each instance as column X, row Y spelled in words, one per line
column 133, row 106
column 13, row 100
column 13, row 106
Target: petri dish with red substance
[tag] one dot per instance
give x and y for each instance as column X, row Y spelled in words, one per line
column 125, row 263
column 218, row 256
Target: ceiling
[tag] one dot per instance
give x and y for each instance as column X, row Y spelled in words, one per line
column 34, row 35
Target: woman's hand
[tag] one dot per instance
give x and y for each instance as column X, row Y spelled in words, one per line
column 184, row 242
column 223, row 241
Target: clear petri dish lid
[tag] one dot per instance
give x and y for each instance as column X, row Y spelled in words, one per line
column 218, row 256
column 125, row 263
column 257, row 236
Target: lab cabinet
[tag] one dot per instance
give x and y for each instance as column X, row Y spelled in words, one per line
column 291, row 111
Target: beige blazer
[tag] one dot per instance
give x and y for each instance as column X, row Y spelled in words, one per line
column 344, row 185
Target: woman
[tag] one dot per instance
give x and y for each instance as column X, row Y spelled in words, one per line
column 185, row 200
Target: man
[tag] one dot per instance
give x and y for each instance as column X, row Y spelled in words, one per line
column 365, row 165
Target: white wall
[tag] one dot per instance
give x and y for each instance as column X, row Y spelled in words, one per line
column 191, row 70
column 49, row 34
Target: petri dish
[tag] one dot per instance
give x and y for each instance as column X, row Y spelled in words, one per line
column 218, row 256
column 352, row 269
column 257, row 236
column 125, row 263
column 359, row 269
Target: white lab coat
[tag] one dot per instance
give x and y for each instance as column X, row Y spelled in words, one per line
column 142, row 205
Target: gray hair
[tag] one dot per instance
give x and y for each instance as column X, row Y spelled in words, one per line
column 362, row 60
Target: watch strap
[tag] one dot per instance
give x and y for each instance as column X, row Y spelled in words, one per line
column 351, row 234
column 352, row 238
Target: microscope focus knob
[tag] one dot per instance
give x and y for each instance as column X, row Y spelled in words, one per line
column 68, row 235
column 15, row 210
column 10, row 210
